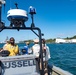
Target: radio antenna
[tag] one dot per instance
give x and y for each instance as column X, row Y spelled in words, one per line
column 16, row 5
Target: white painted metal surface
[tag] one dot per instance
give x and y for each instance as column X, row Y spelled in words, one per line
column 19, row 65
column 17, row 14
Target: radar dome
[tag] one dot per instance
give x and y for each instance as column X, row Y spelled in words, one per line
column 17, row 14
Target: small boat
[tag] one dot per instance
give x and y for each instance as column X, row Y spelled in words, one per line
column 24, row 64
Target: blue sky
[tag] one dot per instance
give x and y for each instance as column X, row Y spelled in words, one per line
column 55, row 18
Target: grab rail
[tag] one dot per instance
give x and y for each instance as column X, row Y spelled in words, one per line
column 53, row 70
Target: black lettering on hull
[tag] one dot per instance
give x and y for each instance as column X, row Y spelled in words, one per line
column 20, row 63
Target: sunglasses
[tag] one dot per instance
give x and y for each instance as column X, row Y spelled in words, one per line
column 11, row 40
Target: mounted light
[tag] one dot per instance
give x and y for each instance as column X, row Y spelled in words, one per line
column 32, row 10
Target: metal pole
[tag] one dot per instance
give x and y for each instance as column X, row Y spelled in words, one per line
column 32, row 18
column 32, row 25
column 41, row 53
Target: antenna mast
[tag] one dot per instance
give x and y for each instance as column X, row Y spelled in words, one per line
column 16, row 5
column 1, row 2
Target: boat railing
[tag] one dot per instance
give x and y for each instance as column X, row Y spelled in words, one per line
column 53, row 70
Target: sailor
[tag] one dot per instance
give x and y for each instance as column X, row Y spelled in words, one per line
column 5, row 47
column 13, row 48
column 36, row 50
column 4, row 52
column 1, row 49
column 26, row 48
column 46, row 53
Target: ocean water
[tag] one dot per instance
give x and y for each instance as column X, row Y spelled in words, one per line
column 62, row 55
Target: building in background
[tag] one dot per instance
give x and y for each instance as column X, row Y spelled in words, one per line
column 59, row 40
